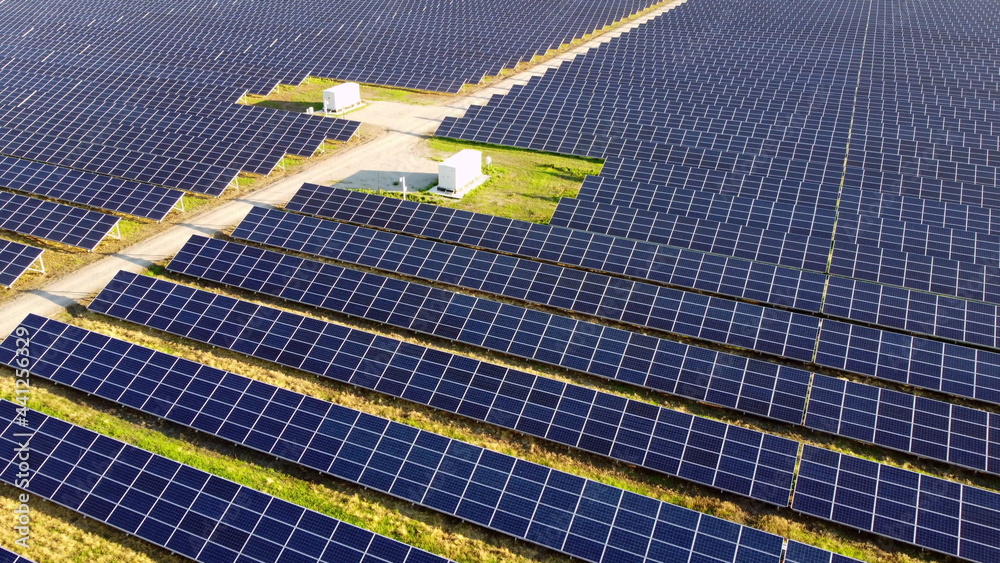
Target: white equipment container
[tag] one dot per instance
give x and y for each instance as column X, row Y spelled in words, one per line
column 459, row 171
column 342, row 96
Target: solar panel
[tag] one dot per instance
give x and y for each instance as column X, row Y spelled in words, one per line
column 941, row 214
column 775, row 246
column 917, row 312
column 54, row 221
column 185, row 510
column 602, row 351
column 756, row 200
column 917, row 271
column 664, row 440
column 929, row 428
column 526, row 280
column 581, row 517
column 949, row 368
column 15, row 260
column 601, row 253
column 797, row 552
column 926, row 511
column 915, row 238
column 92, row 190
column 402, row 46
column 7, row 556
column 121, row 163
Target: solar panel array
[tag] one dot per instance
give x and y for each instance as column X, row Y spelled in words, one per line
column 900, row 421
column 434, row 45
column 587, row 347
column 146, row 111
column 188, row 511
column 581, row 517
column 750, row 130
column 124, row 196
column 664, row 440
column 954, row 369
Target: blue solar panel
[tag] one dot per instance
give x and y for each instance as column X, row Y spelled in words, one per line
column 611, row 255
column 929, row 428
column 54, row 221
column 188, row 511
column 15, row 260
column 917, row 312
column 668, row 441
column 122, row 163
column 808, row 251
column 551, row 508
column 633, row 302
column 949, row 368
column 92, row 190
column 926, row 511
column 529, row 334
column 797, row 552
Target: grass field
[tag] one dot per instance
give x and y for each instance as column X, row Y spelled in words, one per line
column 523, row 184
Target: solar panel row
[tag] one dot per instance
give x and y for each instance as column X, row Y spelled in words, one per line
column 188, row 511
column 930, row 512
column 663, row 365
column 605, row 254
column 54, row 221
column 765, row 389
column 581, row 517
column 953, row 369
column 401, row 46
column 92, row 190
column 724, row 456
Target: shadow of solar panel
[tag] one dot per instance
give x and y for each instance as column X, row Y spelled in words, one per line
column 591, row 251
column 926, row 511
column 188, row 511
column 54, row 221
column 104, row 192
column 15, row 259
column 664, row 440
column 551, row 508
column 606, row 352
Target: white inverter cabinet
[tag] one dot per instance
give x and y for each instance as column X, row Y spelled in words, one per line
column 460, row 171
column 342, row 96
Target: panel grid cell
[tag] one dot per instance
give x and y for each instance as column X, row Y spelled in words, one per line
column 15, row 260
